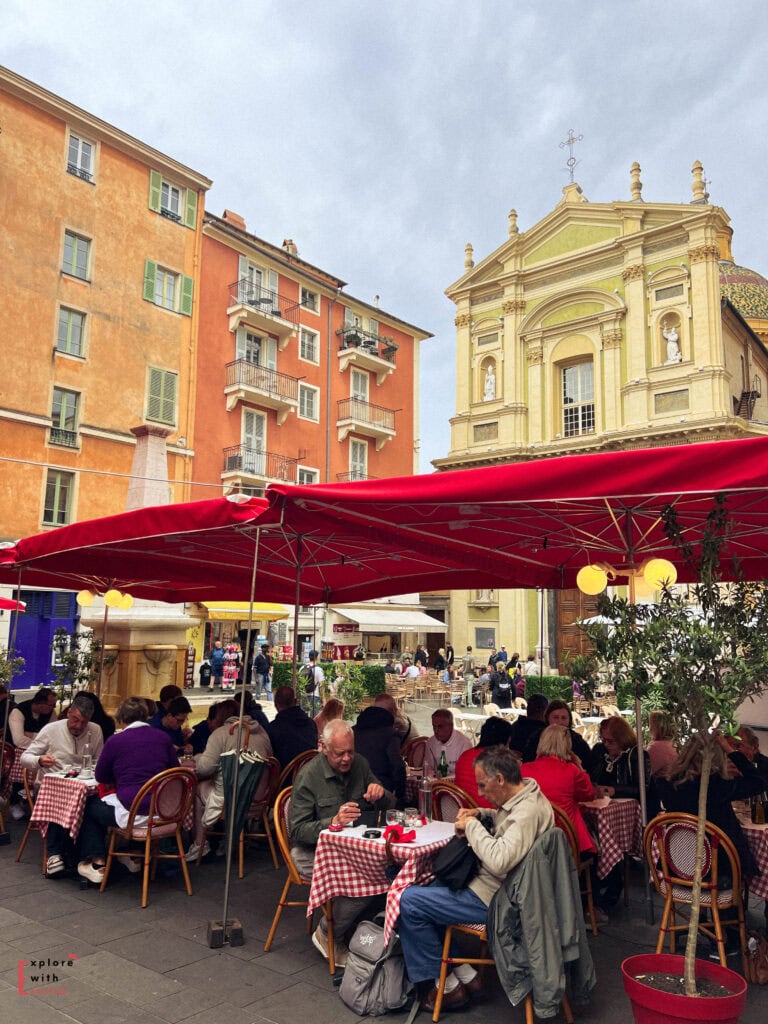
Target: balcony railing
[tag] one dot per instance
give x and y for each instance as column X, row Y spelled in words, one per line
column 245, row 461
column 355, row 475
column 375, row 344
column 242, row 373
column 64, row 438
column 375, row 416
column 264, row 301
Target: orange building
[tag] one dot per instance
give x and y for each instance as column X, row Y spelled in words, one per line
column 102, row 239
column 297, row 381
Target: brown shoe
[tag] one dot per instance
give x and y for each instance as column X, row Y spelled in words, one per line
column 474, row 988
column 455, row 1000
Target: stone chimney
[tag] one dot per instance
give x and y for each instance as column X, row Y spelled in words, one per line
column 290, row 247
column 234, row 219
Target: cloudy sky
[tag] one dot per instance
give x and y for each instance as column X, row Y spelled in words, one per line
column 383, row 136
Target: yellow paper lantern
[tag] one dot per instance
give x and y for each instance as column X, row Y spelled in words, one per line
column 126, row 602
column 642, row 588
column 591, row 579
column 85, row 598
column 112, row 598
column 659, row 572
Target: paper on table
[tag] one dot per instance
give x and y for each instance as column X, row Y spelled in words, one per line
column 603, row 801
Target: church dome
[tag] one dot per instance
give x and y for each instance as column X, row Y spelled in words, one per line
column 745, row 289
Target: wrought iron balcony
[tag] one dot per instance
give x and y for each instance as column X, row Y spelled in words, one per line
column 262, row 309
column 355, row 475
column 366, row 350
column 249, row 382
column 252, row 464
column 359, row 417
column 64, row 438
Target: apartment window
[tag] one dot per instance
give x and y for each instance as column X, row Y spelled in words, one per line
column 171, row 201
column 310, row 300
column 578, row 396
column 309, row 348
column 168, row 289
column 59, row 485
column 309, row 402
column 70, row 337
column 64, row 417
column 80, row 157
column 161, row 395
column 350, row 318
column 77, row 250
column 373, row 325
column 308, row 476
column 359, row 385
column 358, row 460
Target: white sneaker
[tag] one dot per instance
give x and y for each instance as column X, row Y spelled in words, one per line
column 132, row 864
column 17, row 812
column 54, row 865
column 90, row 871
column 194, row 850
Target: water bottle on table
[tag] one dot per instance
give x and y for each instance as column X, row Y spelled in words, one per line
column 86, row 765
column 425, row 797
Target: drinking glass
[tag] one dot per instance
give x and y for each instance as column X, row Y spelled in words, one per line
column 394, row 817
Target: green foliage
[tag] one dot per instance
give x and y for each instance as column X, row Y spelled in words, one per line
column 352, row 689
column 77, row 661
column 553, row 687
column 10, row 665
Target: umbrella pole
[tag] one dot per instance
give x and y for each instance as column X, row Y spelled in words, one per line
column 225, row 930
column 294, row 666
column 641, row 775
column 5, row 837
column 103, row 648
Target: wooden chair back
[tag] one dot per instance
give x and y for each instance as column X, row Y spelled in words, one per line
column 447, row 799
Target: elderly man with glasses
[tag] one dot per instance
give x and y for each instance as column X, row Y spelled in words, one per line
column 58, row 744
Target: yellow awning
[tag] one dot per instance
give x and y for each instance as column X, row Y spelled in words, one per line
column 238, row 610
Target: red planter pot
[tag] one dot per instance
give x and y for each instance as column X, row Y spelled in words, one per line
column 650, row 1006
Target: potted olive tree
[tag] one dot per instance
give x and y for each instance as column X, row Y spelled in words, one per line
column 701, row 655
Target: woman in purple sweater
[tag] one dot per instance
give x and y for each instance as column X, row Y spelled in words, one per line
column 129, row 759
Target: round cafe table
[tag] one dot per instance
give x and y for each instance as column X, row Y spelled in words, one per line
column 62, row 800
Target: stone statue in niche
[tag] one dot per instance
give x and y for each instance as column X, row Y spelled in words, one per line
column 672, row 338
column 489, row 386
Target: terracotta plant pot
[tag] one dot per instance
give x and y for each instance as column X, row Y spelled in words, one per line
column 650, row 1006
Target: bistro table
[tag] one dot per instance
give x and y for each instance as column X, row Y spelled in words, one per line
column 619, row 829
column 757, row 837
column 62, row 800
column 348, row 865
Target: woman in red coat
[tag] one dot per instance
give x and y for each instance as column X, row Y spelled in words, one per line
column 561, row 779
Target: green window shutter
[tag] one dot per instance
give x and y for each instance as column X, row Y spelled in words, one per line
column 155, row 395
column 187, row 290
column 150, row 273
column 169, row 397
column 240, row 343
column 155, row 186
column 190, row 208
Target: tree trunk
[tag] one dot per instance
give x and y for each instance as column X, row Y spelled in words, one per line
column 693, row 927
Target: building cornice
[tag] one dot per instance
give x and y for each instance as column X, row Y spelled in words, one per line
column 94, row 127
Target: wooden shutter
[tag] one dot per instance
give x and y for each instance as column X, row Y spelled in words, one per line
column 187, row 291
column 161, row 399
column 155, row 191
column 242, row 274
column 190, row 208
column 150, row 276
column 270, row 354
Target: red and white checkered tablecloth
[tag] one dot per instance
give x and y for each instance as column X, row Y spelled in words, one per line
column 17, row 772
column 348, row 865
column 619, row 828
column 62, row 801
column 757, row 837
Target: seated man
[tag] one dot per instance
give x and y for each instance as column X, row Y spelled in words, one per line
column 377, row 741
column 527, row 728
column 331, row 790
column 209, row 801
column 57, row 744
column 523, row 814
column 292, row 731
column 172, row 721
column 445, row 739
column 25, row 720
column 202, row 732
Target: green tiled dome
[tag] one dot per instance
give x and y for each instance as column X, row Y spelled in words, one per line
column 745, row 288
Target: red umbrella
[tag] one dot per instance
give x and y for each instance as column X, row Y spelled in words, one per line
column 537, row 523
column 9, row 605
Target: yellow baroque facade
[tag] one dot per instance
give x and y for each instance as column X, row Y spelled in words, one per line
column 606, row 325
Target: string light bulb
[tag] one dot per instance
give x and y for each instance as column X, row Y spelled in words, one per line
column 659, row 572
column 112, row 598
column 592, row 580
column 85, row 598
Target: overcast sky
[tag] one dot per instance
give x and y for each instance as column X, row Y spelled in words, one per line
column 383, row 136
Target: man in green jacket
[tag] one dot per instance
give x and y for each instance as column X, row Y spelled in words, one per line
column 329, row 792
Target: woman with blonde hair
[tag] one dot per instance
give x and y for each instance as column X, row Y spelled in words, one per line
column 561, row 779
column 661, row 750
column 333, row 708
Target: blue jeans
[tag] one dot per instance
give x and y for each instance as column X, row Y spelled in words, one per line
column 264, row 682
column 424, row 909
